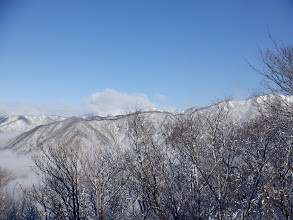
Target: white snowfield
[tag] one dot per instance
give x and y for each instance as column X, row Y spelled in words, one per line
column 91, row 130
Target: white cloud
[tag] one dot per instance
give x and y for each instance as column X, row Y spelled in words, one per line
column 108, row 102
column 19, row 166
column 111, row 102
column 58, row 108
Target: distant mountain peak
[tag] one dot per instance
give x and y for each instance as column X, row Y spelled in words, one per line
column 25, row 123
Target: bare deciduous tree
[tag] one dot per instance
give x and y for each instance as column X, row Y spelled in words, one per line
column 277, row 68
column 103, row 183
column 60, row 171
column 5, row 200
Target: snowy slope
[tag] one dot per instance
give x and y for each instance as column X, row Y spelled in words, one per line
column 68, row 131
column 25, row 123
column 103, row 133
column 245, row 110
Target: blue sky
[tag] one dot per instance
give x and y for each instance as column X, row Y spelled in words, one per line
column 72, row 57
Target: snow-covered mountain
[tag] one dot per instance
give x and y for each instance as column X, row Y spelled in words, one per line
column 91, row 130
column 88, row 133
column 25, row 123
column 243, row 110
column 66, row 132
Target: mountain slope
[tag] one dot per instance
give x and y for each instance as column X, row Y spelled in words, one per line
column 92, row 131
column 68, row 131
column 102, row 133
column 25, row 123
column 244, row 110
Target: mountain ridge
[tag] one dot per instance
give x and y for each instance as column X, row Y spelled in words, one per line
column 24, row 123
column 91, row 130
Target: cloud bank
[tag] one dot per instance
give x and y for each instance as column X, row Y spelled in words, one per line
column 111, row 102
column 31, row 109
column 107, row 102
